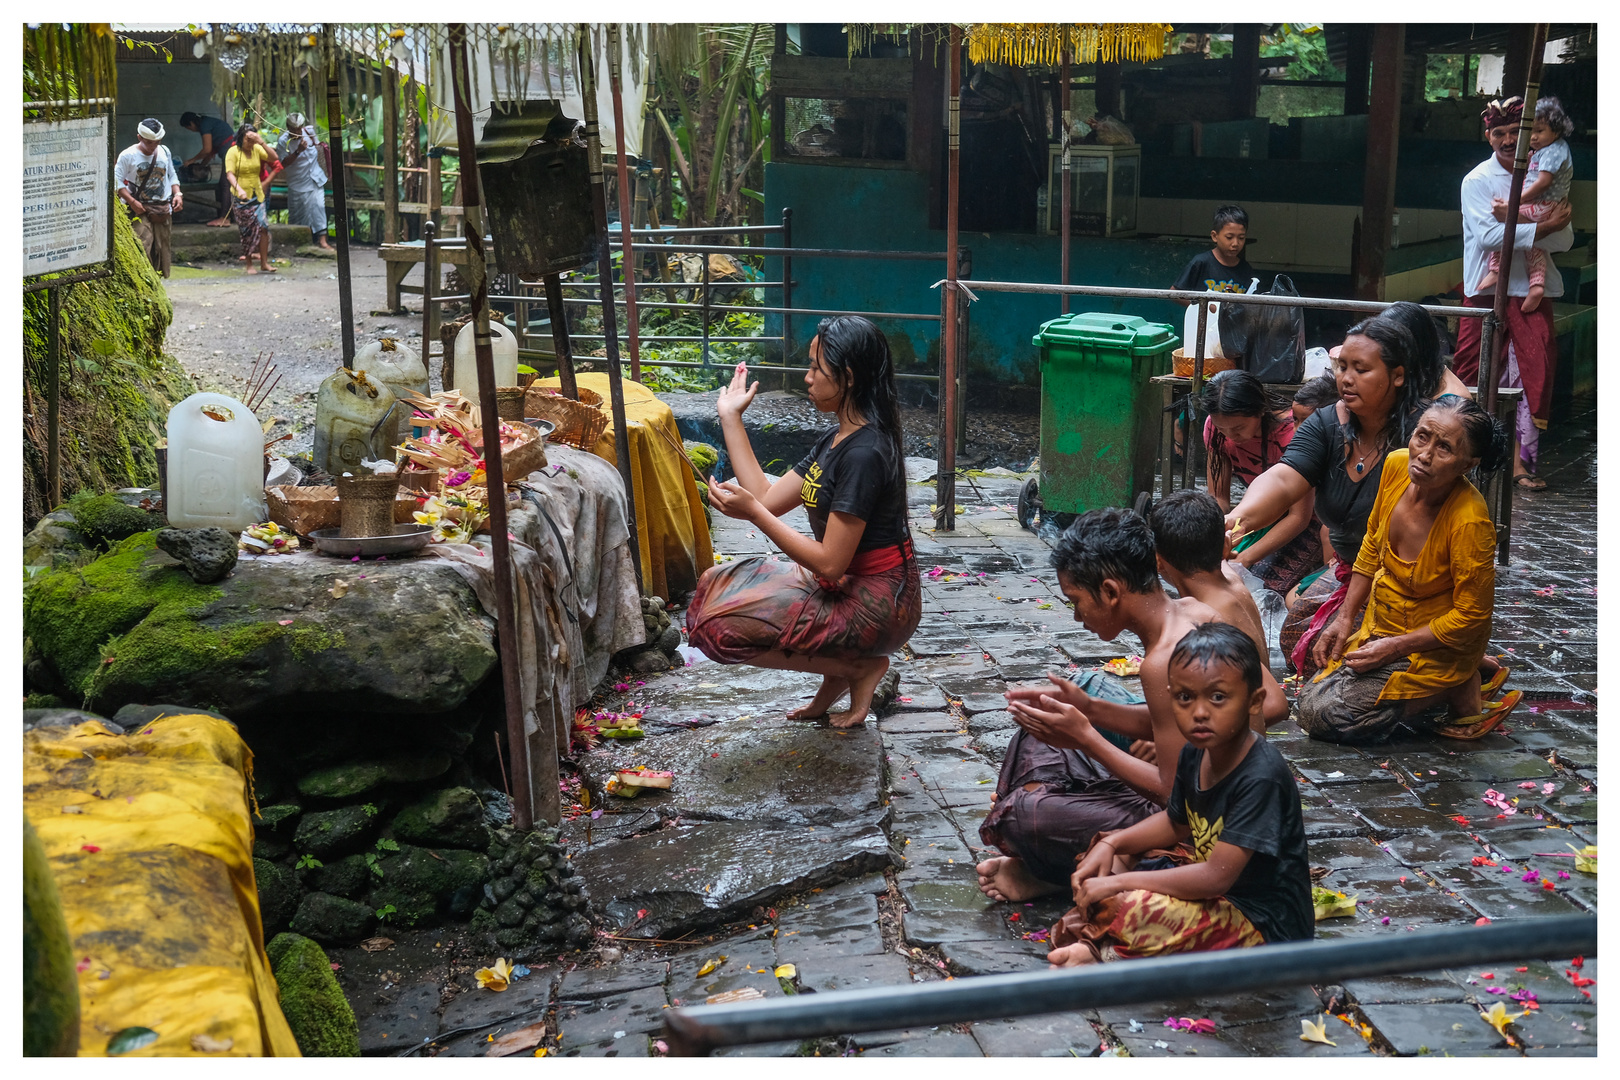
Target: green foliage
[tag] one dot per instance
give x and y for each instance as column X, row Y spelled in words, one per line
column 309, row 862
column 1449, row 75
column 1307, row 44
column 370, row 809
column 384, row 912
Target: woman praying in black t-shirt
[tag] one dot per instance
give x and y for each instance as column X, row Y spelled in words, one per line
column 1385, row 382
column 852, row 594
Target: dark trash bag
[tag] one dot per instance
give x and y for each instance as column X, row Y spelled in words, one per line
column 1271, row 340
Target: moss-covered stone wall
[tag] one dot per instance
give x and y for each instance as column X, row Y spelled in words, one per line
column 117, row 384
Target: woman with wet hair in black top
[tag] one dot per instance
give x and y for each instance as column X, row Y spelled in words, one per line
column 852, row 594
column 1385, row 382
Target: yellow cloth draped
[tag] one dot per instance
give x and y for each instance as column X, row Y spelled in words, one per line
column 1450, row 587
column 670, row 525
column 151, row 843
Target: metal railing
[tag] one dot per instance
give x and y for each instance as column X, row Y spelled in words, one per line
column 699, row 1030
column 699, row 294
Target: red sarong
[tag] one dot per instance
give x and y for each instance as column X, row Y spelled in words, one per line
column 1534, row 346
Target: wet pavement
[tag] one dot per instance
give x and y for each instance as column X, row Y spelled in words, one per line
column 850, row 855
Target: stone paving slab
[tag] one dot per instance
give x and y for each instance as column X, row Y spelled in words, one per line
column 1054, row 1035
column 1436, row 1029
column 409, row 1018
column 618, row 1024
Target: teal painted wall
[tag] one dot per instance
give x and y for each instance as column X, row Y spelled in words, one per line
column 887, row 209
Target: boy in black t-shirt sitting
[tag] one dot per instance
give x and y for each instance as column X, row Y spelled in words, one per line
column 1222, row 268
column 1246, row 879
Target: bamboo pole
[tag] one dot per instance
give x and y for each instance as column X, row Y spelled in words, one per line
column 524, row 783
column 340, row 199
column 604, row 270
column 1064, row 142
column 615, row 79
column 53, row 399
column 1489, row 365
column 945, row 483
column 390, row 80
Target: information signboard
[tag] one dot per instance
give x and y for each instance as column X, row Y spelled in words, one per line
column 66, row 194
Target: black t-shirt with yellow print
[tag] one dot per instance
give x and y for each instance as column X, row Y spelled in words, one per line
column 862, row 477
column 1256, row 806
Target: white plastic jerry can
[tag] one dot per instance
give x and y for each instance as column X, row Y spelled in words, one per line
column 394, row 363
column 216, row 464
column 505, row 347
column 349, row 410
column 1212, row 332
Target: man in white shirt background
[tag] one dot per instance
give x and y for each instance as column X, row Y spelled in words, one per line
column 1532, row 350
column 147, row 182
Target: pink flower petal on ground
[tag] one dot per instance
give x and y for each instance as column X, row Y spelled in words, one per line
column 1547, row 788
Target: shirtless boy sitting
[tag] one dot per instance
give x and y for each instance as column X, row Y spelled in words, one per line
column 1062, row 781
column 1189, row 533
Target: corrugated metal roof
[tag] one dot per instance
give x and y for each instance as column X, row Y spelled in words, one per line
column 507, row 134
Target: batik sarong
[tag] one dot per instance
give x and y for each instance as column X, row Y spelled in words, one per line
column 753, row 606
column 248, row 227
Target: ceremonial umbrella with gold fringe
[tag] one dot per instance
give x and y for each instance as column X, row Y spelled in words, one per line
column 1026, row 44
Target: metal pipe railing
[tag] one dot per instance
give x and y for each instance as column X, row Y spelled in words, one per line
column 699, row 1030
column 1372, row 307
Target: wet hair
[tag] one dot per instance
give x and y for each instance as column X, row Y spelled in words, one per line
column 1220, row 643
column 1427, row 337
column 189, row 118
column 1318, row 393
column 1107, row 543
column 1230, row 214
column 856, row 354
column 242, row 131
column 1238, row 393
column 1189, row 530
column 1487, row 438
column 1550, row 111
column 1397, row 349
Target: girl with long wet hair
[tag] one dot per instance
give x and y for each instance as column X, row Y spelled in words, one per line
column 851, row 595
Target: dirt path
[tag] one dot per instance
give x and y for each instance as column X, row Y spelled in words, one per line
column 223, row 318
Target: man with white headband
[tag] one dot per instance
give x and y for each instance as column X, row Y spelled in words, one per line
column 148, row 184
column 300, row 150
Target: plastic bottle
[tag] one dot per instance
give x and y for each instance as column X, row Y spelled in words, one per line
column 348, row 409
column 215, row 464
column 505, row 347
column 1212, row 333
column 396, row 365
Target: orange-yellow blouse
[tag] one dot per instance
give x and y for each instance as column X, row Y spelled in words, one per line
column 1450, row 587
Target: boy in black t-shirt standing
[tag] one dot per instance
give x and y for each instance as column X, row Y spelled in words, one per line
column 1246, row 879
column 1222, row 268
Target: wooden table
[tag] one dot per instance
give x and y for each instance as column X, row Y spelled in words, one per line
column 399, row 258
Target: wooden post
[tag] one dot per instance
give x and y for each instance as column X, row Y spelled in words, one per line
column 53, row 398
column 1530, row 64
column 430, row 285
column 340, row 198
column 615, row 79
column 1065, row 227
column 945, row 482
column 1383, row 145
column 559, row 336
column 536, row 778
column 1245, row 85
column 390, row 80
column 604, row 289
column 435, row 185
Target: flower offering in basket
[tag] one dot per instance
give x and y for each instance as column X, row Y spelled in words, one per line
column 454, row 447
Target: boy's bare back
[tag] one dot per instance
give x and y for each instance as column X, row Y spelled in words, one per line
column 1232, row 604
column 1167, row 738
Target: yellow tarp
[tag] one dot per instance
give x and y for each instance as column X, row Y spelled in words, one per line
column 150, row 839
column 670, row 526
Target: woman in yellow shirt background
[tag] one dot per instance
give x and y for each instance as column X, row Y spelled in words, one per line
column 244, row 164
column 1427, row 572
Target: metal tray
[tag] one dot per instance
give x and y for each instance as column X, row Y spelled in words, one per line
column 405, row 538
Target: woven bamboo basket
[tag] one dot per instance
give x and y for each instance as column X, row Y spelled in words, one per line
column 509, row 402
column 579, row 423
column 1182, row 365
column 519, row 461
column 305, row 509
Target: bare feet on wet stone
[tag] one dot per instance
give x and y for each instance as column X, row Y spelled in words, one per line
column 1004, row 878
column 868, row 673
column 832, row 688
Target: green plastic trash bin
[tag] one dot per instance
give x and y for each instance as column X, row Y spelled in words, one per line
column 1099, row 416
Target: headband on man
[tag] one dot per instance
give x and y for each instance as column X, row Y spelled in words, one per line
column 1499, row 112
column 150, row 129
column 295, row 121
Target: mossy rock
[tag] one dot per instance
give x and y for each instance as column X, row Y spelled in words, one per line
column 311, row 1000
column 56, row 541
column 343, row 781
column 348, row 877
column 107, row 519
column 330, row 833
column 333, row 919
column 117, row 384
column 439, row 873
column 411, row 909
column 280, row 818
column 132, row 626
column 42, row 701
column 452, row 817
column 50, row 984
column 279, row 894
